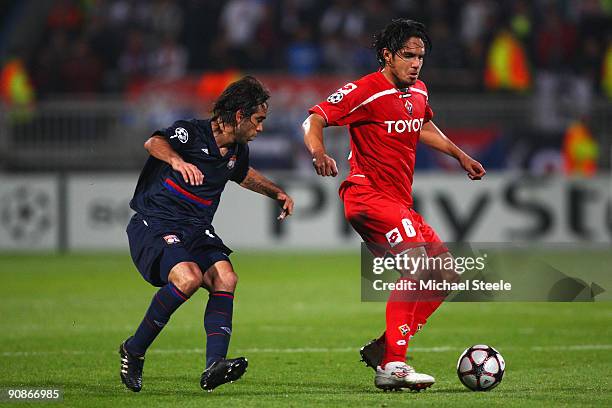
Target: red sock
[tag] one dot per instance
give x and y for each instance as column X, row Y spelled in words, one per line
column 399, row 315
column 425, row 308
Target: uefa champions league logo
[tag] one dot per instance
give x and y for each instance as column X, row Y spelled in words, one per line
column 181, row 134
column 335, row 97
column 339, row 94
column 26, row 214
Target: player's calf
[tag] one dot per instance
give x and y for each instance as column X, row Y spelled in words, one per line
column 219, row 311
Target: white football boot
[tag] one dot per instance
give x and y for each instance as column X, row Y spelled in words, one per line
column 397, row 375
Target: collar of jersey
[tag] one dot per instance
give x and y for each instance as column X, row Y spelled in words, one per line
column 212, row 143
column 401, row 91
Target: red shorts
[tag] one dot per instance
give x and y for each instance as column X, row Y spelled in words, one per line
column 381, row 220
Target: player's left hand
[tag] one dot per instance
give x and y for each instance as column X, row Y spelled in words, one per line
column 474, row 168
column 287, row 203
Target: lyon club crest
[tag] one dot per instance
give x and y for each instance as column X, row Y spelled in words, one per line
column 408, row 106
column 171, row 239
column 232, row 162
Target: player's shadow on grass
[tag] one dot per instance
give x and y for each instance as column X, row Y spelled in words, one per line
column 321, row 389
column 190, row 388
column 282, row 388
column 461, row 390
column 165, row 386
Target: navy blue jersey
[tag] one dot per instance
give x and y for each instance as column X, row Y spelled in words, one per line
column 161, row 192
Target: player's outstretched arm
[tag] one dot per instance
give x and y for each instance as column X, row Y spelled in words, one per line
column 432, row 136
column 255, row 181
column 313, row 138
column 159, row 148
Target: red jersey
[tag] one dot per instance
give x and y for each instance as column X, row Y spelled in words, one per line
column 384, row 123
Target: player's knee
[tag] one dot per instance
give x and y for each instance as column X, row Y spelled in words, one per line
column 445, row 268
column 187, row 277
column 234, row 280
column 190, row 282
column 415, row 266
column 222, row 277
column 226, row 281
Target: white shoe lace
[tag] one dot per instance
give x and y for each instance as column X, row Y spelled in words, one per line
column 400, row 367
column 409, row 369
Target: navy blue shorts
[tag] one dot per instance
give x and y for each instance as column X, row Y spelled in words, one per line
column 157, row 245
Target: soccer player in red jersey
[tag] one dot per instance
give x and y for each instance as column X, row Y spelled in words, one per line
column 387, row 113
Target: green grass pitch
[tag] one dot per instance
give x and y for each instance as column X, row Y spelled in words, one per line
column 299, row 321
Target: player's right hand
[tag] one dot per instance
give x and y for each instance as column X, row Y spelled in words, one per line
column 324, row 165
column 191, row 174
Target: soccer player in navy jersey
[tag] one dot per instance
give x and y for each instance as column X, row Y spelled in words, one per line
column 172, row 241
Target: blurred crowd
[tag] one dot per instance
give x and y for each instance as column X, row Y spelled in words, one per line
column 92, row 46
column 557, row 54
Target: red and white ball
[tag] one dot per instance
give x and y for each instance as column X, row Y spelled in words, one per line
column 481, row 368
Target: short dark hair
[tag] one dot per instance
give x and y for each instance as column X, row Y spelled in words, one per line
column 245, row 95
column 395, row 34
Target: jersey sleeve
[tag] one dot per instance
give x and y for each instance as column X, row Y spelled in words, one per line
column 429, row 113
column 180, row 135
column 242, row 165
column 344, row 106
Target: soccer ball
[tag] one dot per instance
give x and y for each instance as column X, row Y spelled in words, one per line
column 481, row 368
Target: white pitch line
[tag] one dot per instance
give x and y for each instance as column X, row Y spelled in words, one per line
column 441, row 349
column 576, row 347
column 302, row 350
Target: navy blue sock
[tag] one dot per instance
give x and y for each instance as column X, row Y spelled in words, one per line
column 218, row 325
column 164, row 303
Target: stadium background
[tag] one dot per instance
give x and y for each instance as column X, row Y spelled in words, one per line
column 523, row 86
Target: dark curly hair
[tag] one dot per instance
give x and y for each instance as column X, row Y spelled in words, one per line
column 395, row 34
column 245, row 95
